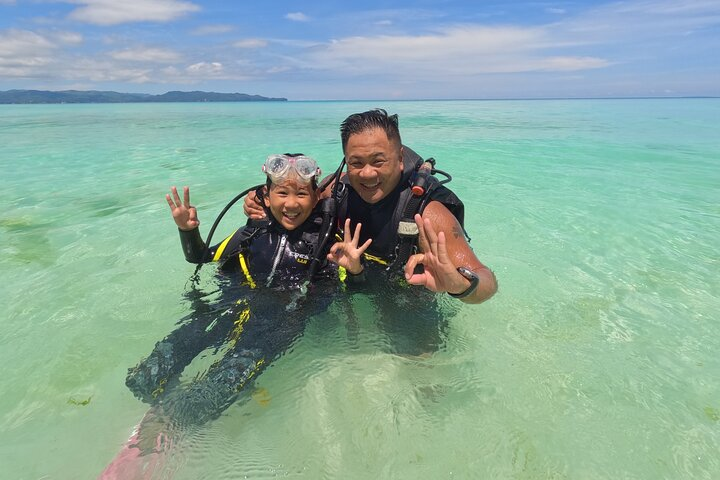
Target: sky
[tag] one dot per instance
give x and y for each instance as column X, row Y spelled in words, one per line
column 335, row 50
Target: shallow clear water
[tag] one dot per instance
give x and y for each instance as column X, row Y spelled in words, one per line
column 596, row 359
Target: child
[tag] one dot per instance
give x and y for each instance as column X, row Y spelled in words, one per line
column 272, row 258
column 274, row 254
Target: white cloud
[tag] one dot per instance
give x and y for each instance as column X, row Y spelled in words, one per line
column 469, row 50
column 622, row 22
column 68, row 38
column 666, row 7
column 22, row 42
column 568, row 64
column 296, row 43
column 23, row 52
column 275, row 70
column 114, row 12
column 171, row 71
column 250, row 43
column 212, row 29
column 152, row 55
column 101, row 70
column 197, row 73
column 453, row 42
column 39, row 57
column 297, row 17
column 645, row 36
column 205, row 68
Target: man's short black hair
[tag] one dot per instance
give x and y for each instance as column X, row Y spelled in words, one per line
column 378, row 118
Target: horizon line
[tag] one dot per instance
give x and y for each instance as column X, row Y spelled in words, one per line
column 285, row 99
column 640, row 97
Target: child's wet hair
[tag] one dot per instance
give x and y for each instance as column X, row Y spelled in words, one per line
column 313, row 183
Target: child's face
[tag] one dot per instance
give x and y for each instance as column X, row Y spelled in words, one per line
column 291, row 202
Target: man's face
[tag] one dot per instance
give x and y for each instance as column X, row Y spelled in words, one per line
column 374, row 164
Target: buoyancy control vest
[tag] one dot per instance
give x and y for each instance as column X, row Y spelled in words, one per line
column 381, row 221
column 264, row 251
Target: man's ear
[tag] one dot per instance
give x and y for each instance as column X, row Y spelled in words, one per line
column 402, row 155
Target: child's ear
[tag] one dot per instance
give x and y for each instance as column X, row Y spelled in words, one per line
column 266, row 199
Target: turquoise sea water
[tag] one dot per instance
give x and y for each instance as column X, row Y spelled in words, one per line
column 598, row 358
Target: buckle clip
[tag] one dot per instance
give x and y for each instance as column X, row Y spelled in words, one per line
column 408, row 229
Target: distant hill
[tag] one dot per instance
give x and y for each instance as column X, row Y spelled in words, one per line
column 94, row 96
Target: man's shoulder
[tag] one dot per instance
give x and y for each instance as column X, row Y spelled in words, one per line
column 435, row 209
column 453, row 206
column 442, row 219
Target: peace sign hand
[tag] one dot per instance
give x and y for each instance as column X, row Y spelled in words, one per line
column 347, row 254
column 184, row 214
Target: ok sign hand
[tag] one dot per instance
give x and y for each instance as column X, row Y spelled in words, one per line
column 439, row 272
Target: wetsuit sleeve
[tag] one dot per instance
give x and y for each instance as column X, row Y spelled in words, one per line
column 196, row 252
column 352, row 280
column 193, row 246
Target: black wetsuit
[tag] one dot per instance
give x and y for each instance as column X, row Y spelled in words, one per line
column 265, row 302
column 410, row 315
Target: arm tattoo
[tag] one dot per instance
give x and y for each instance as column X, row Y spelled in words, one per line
column 457, row 231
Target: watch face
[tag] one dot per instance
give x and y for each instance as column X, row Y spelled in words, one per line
column 469, row 274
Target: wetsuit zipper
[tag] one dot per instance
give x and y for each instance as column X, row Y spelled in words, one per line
column 276, row 260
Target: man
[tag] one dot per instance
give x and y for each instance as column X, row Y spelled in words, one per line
column 379, row 182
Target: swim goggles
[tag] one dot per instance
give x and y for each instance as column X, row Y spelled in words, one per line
column 279, row 167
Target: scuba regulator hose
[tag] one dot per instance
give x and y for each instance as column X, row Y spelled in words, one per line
column 329, row 215
column 224, row 211
column 194, row 277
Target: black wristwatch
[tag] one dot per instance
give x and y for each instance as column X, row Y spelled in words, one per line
column 471, row 277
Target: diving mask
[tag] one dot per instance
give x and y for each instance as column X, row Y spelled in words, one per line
column 279, row 167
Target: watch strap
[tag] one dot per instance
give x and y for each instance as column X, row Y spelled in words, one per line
column 471, row 277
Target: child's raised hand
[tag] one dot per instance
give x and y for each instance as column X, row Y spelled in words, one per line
column 184, row 214
column 347, row 254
